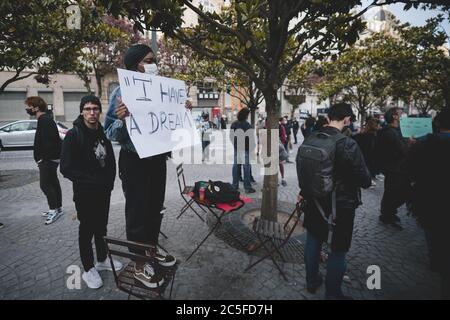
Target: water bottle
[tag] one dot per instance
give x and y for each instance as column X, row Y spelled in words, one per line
column 202, row 194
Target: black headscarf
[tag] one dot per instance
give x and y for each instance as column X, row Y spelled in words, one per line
column 134, row 55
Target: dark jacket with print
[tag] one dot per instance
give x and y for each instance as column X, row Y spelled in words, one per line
column 350, row 174
column 81, row 159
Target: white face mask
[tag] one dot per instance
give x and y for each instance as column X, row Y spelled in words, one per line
column 151, row 69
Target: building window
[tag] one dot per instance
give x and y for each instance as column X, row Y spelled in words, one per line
column 48, row 98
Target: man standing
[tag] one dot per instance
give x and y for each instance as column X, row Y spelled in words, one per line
column 88, row 161
column 295, row 127
column 243, row 142
column 206, row 128
column 391, row 150
column 428, row 167
column 330, row 169
column 46, row 152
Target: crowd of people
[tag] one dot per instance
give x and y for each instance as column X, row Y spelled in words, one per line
column 415, row 173
column 333, row 163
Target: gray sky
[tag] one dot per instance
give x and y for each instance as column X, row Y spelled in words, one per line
column 415, row 17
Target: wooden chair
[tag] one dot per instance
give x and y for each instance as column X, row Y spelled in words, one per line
column 125, row 280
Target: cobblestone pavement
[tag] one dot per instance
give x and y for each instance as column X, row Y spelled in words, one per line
column 34, row 258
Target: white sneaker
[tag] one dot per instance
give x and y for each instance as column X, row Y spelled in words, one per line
column 52, row 216
column 92, row 279
column 106, row 265
column 45, row 213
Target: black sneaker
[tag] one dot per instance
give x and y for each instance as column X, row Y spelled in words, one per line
column 163, row 259
column 251, row 190
column 396, row 225
column 385, row 219
column 1, row 225
column 391, row 222
column 148, row 277
column 312, row 288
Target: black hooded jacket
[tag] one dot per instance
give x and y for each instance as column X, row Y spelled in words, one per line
column 47, row 144
column 87, row 158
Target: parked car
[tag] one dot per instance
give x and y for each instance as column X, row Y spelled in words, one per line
column 21, row 133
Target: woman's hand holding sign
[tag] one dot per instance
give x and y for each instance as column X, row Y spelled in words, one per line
column 121, row 110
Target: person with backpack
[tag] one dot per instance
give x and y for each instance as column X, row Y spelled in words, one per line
column 428, row 164
column 331, row 170
column 392, row 151
column 88, row 160
column 46, row 153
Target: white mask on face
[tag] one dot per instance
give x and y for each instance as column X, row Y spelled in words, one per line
column 151, row 69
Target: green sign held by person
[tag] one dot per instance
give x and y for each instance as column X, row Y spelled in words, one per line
column 415, row 127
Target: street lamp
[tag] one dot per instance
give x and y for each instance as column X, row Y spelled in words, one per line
column 154, row 43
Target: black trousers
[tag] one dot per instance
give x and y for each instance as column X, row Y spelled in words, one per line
column 92, row 211
column 295, row 136
column 144, row 186
column 396, row 192
column 49, row 183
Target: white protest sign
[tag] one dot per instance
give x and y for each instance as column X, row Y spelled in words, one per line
column 158, row 121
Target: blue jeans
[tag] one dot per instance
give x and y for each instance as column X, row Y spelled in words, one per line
column 237, row 170
column 336, row 267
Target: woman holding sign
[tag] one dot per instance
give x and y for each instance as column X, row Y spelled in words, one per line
column 143, row 180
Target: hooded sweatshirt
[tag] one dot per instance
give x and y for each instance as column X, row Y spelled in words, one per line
column 87, row 158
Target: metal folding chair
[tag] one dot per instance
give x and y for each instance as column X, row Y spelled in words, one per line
column 125, row 280
column 222, row 209
column 184, row 192
column 277, row 234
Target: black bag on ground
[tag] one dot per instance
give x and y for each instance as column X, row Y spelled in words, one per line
column 217, row 191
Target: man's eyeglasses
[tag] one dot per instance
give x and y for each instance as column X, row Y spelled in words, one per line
column 95, row 109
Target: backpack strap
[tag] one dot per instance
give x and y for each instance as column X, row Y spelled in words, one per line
column 331, row 218
column 79, row 136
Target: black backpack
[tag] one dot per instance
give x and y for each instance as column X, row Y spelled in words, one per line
column 217, row 191
column 315, row 162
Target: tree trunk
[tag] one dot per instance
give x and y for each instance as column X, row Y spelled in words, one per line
column 252, row 116
column 98, row 79
column 270, row 187
column 293, row 110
